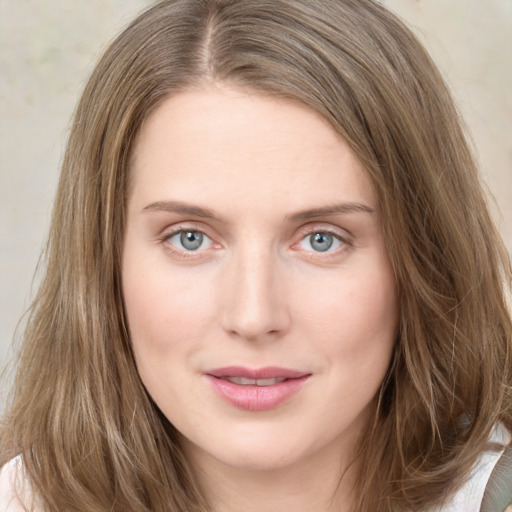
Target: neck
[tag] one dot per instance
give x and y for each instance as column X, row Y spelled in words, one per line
column 321, row 483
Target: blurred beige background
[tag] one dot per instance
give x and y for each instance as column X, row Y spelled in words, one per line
column 48, row 48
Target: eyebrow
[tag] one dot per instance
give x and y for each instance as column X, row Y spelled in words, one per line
column 339, row 208
column 181, row 208
column 197, row 211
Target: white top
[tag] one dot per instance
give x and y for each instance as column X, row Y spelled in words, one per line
column 469, row 497
column 14, row 488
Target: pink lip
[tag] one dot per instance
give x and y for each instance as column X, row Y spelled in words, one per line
column 252, row 397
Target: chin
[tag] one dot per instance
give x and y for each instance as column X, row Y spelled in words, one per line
column 269, row 452
column 259, row 460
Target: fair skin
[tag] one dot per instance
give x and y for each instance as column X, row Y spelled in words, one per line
column 254, row 240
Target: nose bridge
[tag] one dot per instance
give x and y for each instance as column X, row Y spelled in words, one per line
column 256, row 306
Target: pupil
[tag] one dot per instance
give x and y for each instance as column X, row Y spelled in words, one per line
column 191, row 240
column 321, row 242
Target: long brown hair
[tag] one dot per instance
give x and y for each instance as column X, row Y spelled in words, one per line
column 90, row 437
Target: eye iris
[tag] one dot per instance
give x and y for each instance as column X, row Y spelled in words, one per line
column 321, row 241
column 191, row 240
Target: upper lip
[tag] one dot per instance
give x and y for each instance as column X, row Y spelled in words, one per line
column 268, row 372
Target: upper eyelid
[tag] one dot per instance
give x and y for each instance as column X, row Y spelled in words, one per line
column 166, row 236
column 341, row 239
column 344, row 237
column 325, row 228
column 173, row 230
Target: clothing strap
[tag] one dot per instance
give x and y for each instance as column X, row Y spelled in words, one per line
column 498, row 493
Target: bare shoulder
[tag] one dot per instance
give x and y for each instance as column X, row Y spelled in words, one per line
column 15, row 494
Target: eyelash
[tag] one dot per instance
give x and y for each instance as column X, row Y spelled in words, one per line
column 165, row 239
column 344, row 238
column 344, row 241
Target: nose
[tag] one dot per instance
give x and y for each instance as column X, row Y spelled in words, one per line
column 254, row 297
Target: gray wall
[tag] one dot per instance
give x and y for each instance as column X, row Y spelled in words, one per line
column 48, row 48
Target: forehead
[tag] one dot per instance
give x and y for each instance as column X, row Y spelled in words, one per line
column 200, row 143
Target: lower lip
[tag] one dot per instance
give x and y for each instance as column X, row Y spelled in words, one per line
column 257, row 398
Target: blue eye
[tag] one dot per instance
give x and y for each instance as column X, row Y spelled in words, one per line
column 320, row 241
column 190, row 240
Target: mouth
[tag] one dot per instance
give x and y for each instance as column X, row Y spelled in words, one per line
column 243, row 381
column 256, row 389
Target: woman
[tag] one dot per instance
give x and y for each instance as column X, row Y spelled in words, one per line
column 272, row 279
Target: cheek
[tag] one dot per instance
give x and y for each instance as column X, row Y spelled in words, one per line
column 167, row 317
column 167, row 312
column 354, row 318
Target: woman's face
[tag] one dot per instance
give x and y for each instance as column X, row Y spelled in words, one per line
column 260, row 299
